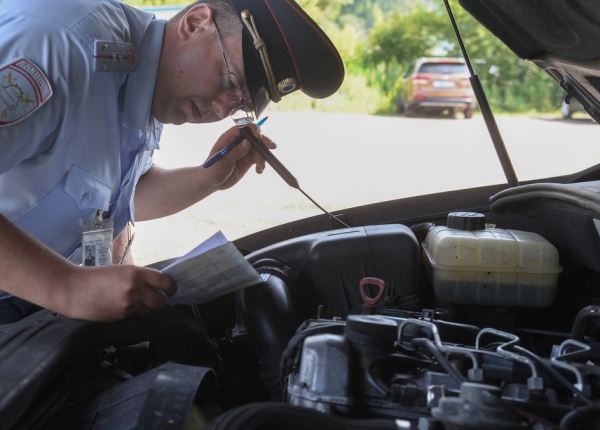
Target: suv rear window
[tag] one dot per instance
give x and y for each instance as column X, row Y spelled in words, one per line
column 445, row 68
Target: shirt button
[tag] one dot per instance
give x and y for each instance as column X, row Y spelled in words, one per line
column 85, row 197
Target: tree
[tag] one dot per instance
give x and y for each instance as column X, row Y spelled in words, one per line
column 401, row 38
column 511, row 83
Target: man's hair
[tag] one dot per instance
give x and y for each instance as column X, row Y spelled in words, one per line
column 225, row 16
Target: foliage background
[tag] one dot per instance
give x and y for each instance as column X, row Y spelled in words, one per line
column 379, row 39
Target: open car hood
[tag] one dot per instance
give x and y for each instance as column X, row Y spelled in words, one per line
column 559, row 36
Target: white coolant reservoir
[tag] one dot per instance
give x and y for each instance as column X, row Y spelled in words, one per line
column 472, row 264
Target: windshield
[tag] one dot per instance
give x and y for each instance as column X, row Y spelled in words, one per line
column 383, row 136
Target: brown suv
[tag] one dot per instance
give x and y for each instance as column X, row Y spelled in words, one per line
column 437, row 85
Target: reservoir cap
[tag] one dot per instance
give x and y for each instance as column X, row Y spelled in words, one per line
column 469, row 221
column 374, row 330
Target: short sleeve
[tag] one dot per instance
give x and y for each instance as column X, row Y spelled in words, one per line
column 27, row 122
column 37, row 62
column 147, row 162
column 153, row 143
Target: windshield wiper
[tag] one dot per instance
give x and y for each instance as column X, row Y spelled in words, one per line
column 486, row 111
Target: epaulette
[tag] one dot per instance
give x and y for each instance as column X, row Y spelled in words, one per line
column 114, row 56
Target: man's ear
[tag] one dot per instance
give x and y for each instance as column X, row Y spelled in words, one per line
column 198, row 18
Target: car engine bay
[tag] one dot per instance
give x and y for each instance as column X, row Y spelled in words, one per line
column 348, row 329
column 475, row 359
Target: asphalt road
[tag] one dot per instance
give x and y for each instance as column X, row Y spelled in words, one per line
column 345, row 160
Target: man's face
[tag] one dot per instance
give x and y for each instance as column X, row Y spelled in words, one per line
column 189, row 86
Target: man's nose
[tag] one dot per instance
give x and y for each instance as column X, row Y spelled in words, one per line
column 223, row 105
column 218, row 109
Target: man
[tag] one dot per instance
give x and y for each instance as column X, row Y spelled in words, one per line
column 90, row 257
column 85, row 86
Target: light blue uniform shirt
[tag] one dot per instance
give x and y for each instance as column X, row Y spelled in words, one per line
column 85, row 148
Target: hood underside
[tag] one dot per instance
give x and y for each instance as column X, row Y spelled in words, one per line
column 560, row 36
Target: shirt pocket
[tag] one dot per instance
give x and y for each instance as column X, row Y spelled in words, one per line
column 86, row 190
column 58, row 218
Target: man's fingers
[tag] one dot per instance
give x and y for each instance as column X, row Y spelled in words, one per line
column 241, row 150
column 264, row 139
column 156, row 279
column 268, row 142
column 227, row 138
column 167, row 284
column 258, row 159
column 151, row 299
column 149, row 289
column 245, row 155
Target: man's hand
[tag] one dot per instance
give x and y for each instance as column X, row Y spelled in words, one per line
column 35, row 273
column 111, row 293
column 230, row 169
column 162, row 192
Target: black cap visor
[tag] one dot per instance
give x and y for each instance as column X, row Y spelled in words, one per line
column 300, row 53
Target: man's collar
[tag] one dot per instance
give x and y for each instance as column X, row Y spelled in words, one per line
column 139, row 91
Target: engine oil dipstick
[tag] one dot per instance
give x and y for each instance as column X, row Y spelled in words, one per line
column 370, row 302
column 282, row 171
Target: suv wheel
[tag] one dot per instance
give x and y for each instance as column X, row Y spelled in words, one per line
column 400, row 109
column 468, row 113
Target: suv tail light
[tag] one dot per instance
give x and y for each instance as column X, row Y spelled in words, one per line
column 420, row 80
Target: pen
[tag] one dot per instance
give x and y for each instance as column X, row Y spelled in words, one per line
column 220, row 154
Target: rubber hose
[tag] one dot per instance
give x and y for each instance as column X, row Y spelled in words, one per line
column 581, row 418
column 268, row 416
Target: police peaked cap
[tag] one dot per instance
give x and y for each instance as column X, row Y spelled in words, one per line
column 285, row 50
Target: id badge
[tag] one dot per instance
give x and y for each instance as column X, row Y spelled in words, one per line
column 96, row 242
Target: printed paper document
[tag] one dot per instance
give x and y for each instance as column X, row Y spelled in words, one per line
column 213, row 268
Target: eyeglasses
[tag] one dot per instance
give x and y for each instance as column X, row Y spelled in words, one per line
column 241, row 114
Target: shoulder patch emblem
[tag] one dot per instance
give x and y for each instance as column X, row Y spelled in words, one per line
column 23, row 89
